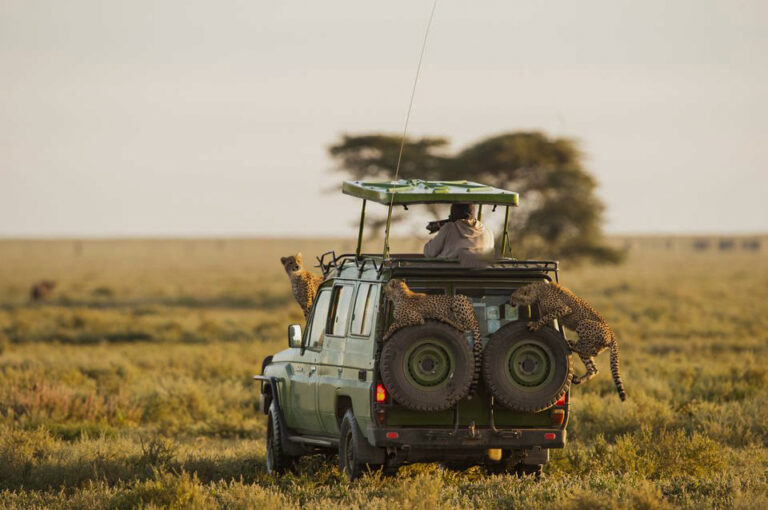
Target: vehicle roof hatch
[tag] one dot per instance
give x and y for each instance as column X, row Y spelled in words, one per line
column 417, row 191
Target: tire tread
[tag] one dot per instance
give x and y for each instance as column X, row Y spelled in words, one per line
column 497, row 342
column 388, row 365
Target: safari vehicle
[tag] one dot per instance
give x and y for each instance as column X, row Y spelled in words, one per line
column 328, row 390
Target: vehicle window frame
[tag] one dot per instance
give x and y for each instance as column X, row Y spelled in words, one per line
column 428, row 288
column 370, row 301
column 333, row 307
column 310, row 322
column 493, row 290
column 417, row 286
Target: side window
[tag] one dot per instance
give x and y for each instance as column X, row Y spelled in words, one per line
column 363, row 313
column 337, row 319
column 315, row 333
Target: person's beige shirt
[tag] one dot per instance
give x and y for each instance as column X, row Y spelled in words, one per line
column 460, row 236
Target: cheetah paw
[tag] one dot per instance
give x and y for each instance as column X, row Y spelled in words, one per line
column 533, row 326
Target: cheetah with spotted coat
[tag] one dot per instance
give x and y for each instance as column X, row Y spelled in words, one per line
column 413, row 308
column 557, row 302
column 304, row 283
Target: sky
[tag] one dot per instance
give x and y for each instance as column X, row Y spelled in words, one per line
column 186, row 118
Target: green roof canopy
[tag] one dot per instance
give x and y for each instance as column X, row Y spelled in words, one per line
column 416, row 191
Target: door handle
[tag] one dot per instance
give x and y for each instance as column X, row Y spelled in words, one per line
column 312, row 370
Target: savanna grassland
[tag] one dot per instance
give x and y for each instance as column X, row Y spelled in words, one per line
column 131, row 386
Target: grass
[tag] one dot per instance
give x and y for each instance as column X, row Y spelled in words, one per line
column 132, row 386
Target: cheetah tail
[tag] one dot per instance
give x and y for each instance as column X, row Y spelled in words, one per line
column 615, row 370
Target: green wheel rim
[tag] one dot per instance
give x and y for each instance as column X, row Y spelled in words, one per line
column 528, row 364
column 429, row 364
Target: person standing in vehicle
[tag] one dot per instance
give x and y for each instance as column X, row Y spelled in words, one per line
column 461, row 233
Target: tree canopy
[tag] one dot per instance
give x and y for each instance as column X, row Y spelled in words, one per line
column 559, row 213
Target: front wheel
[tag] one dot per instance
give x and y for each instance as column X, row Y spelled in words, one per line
column 278, row 457
column 521, row 470
column 534, row 470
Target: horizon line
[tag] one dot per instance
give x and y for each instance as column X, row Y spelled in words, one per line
column 192, row 237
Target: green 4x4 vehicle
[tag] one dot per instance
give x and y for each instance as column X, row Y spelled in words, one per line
column 329, row 390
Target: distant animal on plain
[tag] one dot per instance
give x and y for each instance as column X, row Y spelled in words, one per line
column 557, row 302
column 700, row 245
column 304, row 283
column 727, row 244
column 42, row 290
column 751, row 244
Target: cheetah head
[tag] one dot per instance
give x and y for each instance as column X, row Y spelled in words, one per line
column 292, row 263
column 525, row 295
column 395, row 287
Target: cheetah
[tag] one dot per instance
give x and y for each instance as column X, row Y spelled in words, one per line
column 41, row 290
column 557, row 302
column 304, row 283
column 412, row 308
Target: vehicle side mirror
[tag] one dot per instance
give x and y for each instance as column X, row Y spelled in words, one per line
column 294, row 335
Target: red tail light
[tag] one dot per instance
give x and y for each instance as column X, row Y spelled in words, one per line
column 558, row 416
column 549, row 435
column 381, row 393
column 562, row 400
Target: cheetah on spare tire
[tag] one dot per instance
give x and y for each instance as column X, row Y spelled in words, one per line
column 557, row 302
column 412, row 308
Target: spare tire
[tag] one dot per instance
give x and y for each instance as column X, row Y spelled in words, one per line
column 527, row 370
column 427, row 367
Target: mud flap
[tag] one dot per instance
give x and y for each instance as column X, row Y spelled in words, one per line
column 369, row 453
column 535, row 456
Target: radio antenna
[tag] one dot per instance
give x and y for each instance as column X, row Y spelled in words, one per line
column 405, row 128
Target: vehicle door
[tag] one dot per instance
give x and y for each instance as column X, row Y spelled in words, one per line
column 330, row 364
column 304, row 415
column 360, row 351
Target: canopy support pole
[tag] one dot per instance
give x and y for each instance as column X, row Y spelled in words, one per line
column 360, row 232
column 505, row 238
column 386, row 232
column 480, row 212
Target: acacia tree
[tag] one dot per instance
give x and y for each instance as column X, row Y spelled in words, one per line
column 559, row 213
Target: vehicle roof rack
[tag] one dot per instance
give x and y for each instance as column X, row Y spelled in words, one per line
column 406, row 262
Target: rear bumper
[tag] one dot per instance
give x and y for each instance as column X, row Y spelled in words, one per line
column 466, row 438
